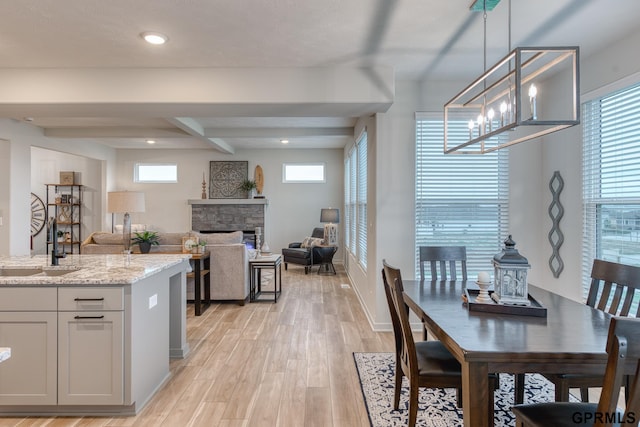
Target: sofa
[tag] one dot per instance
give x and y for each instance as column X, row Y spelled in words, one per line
column 229, row 258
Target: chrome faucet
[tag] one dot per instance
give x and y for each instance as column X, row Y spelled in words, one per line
column 53, row 236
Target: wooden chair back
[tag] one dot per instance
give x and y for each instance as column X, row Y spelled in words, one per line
column 407, row 353
column 395, row 320
column 443, row 256
column 623, row 347
column 613, row 287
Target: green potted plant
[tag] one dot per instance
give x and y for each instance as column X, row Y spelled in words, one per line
column 145, row 239
column 249, row 186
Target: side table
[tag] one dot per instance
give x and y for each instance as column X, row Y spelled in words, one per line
column 323, row 255
column 201, row 264
column 255, row 277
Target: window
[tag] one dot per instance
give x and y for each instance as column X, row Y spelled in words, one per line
column 303, row 172
column 611, row 180
column 461, row 200
column 356, row 201
column 155, row 172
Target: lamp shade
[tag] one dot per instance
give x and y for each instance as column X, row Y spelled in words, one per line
column 125, row 201
column 330, row 215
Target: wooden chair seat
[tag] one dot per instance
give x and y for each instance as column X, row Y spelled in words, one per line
column 613, row 287
column 623, row 348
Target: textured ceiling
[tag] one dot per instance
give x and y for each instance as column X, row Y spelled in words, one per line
column 419, row 39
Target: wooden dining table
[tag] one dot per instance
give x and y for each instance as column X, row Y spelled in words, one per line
column 570, row 339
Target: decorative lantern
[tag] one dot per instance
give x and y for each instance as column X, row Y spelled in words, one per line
column 511, row 275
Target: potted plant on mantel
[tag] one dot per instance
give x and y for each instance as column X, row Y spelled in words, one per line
column 249, row 186
column 145, row 239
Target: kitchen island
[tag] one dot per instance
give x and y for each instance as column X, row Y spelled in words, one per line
column 91, row 336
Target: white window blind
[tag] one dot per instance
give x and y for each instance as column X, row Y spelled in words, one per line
column 362, row 199
column 350, row 202
column 355, row 200
column 611, row 180
column 461, row 200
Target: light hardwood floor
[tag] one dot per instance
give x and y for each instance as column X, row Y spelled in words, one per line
column 264, row 364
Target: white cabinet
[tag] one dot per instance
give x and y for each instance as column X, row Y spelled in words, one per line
column 90, row 358
column 28, row 325
column 90, row 346
column 67, row 346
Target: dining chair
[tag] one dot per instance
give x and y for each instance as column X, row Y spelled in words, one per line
column 612, row 290
column 441, row 256
column 623, row 347
column 424, row 363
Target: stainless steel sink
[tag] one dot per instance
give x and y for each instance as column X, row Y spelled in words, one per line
column 36, row 271
column 58, row 271
column 20, row 271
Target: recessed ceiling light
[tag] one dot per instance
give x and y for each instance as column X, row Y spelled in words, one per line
column 151, row 141
column 284, row 141
column 154, row 38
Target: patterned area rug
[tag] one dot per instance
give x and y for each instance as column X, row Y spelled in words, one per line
column 437, row 407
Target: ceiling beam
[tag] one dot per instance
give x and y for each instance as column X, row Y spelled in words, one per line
column 272, row 132
column 193, row 128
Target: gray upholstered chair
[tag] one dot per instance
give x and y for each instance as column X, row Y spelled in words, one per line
column 296, row 254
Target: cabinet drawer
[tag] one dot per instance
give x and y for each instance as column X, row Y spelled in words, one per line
column 28, row 299
column 90, row 299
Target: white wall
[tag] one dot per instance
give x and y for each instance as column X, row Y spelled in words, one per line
column 293, row 211
column 601, row 73
column 15, row 162
column 531, row 167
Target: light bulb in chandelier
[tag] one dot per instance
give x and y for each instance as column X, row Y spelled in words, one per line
column 533, row 92
column 490, row 115
column 503, row 111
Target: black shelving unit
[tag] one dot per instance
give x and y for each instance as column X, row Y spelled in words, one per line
column 64, row 201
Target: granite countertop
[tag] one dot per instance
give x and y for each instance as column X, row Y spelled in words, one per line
column 87, row 269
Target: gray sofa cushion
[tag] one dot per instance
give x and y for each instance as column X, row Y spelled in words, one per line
column 107, row 238
column 221, row 238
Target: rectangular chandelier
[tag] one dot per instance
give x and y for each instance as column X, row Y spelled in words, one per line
column 502, row 107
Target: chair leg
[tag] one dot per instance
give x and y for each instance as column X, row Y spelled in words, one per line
column 398, row 386
column 413, row 403
column 518, row 379
column 584, row 394
column 286, row 266
column 562, row 391
column 490, row 400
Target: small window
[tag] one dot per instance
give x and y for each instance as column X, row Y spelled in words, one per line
column 303, row 172
column 155, row 172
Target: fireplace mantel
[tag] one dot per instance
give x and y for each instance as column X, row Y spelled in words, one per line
column 228, row 201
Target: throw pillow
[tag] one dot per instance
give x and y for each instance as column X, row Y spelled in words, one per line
column 310, row 242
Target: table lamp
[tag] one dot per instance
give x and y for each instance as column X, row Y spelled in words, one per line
column 331, row 217
column 125, row 202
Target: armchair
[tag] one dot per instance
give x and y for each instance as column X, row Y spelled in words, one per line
column 296, row 254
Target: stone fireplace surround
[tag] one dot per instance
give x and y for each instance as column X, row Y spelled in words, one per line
column 226, row 215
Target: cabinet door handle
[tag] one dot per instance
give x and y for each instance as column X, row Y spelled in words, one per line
column 88, row 317
column 89, row 299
